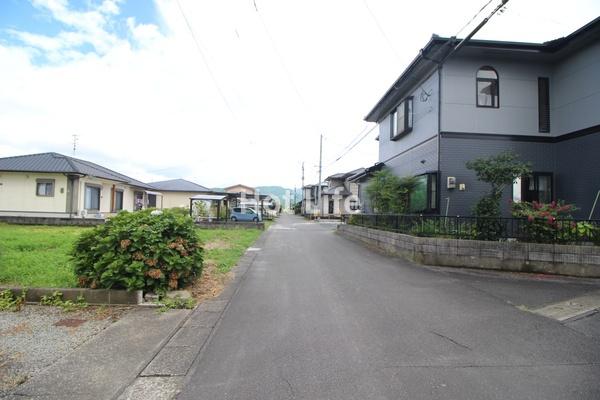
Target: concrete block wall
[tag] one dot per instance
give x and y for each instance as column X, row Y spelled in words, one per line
column 51, row 221
column 572, row 260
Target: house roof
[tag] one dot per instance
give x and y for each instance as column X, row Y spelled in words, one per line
column 438, row 49
column 238, row 185
column 366, row 172
column 58, row 163
column 343, row 175
column 179, row 185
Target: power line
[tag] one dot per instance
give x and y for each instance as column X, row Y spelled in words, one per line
column 474, row 16
column 353, row 146
column 285, row 69
column 380, row 28
column 204, row 59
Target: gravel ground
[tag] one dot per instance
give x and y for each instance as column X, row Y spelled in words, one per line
column 37, row 336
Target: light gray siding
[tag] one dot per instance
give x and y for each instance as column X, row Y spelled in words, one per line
column 425, row 121
column 518, row 89
column 575, row 91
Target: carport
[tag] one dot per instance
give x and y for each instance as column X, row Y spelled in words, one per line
column 218, row 198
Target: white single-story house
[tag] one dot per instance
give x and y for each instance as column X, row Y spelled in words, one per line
column 55, row 185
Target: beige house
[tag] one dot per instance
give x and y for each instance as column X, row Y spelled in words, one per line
column 177, row 192
column 239, row 188
column 54, row 185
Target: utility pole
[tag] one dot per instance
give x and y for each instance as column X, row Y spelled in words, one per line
column 319, row 183
column 303, row 205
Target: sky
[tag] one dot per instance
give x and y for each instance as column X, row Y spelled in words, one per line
column 229, row 91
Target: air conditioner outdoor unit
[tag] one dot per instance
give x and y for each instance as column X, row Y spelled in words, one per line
column 451, row 184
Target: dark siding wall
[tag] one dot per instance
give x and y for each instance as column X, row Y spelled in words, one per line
column 578, row 173
column 456, row 152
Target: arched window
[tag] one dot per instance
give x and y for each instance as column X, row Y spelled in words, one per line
column 487, row 88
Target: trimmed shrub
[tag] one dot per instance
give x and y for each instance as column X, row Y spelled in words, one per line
column 146, row 250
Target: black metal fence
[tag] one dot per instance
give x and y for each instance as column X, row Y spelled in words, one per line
column 542, row 230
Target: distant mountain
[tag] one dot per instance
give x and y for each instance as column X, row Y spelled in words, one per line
column 280, row 192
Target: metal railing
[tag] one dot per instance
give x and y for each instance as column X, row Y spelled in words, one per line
column 564, row 231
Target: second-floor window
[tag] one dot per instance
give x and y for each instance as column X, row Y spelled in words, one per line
column 487, row 88
column 401, row 119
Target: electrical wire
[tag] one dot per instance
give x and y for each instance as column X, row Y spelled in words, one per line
column 353, row 146
column 474, row 16
column 204, row 59
column 284, row 67
column 380, row 28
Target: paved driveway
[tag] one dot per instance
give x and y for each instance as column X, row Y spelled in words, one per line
column 321, row 317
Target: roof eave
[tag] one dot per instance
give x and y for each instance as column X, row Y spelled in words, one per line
column 424, row 56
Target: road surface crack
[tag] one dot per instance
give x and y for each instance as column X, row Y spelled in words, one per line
column 451, row 340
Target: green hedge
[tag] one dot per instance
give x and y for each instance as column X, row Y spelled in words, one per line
column 149, row 250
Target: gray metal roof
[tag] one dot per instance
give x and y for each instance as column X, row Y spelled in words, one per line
column 179, row 185
column 344, row 175
column 58, row 163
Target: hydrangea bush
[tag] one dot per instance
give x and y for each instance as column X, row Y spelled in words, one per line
column 151, row 251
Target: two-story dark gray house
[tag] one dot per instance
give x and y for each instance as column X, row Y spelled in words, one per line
column 540, row 100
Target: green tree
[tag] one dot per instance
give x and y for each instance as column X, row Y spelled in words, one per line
column 499, row 171
column 390, row 194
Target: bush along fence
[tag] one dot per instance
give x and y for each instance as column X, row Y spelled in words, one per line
column 531, row 230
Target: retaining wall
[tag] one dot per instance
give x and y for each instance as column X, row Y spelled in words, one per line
column 51, row 221
column 230, row 225
column 91, row 296
column 581, row 261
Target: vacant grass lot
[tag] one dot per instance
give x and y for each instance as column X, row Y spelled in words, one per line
column 224, row 247
column 37, row 256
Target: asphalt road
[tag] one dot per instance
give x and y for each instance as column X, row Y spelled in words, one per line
column 321, row 317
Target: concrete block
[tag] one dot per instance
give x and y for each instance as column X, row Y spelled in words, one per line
column 213, row 306
column 590, row 259
column 467, row 251
column 189, row 336
column 491, row 252
column 566, row 258
column 202, row 320
column 171, row 361
column 125, row 297
column 541, row 256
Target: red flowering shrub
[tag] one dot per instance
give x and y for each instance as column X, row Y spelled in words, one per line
column 545, row 223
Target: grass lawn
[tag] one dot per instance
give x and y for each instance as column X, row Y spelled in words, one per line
column 36, row 256
column 224, row 247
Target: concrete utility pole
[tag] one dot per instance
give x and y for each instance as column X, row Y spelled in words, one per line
column 303, row 205
column 319, row 206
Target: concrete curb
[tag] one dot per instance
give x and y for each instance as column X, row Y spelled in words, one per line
column 91, row 296
column 167, row 372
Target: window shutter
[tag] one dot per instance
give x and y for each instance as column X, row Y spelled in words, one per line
column 544, row 105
